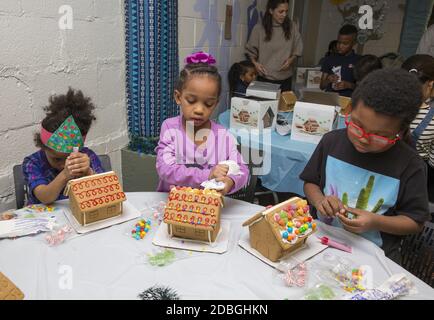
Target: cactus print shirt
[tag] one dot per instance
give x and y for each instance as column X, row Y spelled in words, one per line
column 387, row 183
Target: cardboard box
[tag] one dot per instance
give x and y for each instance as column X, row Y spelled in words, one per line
column 345, row 104
column 267, row 231
column 253, row 113
column 301, row 74
column 95, row 198
column 312, row 121
column 287, row 101
column 193, row 213
column 264, row 90
column 313, row 79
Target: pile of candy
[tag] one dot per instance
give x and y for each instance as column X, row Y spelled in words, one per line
column 295, row 220
column 162, row 259
column 41, row 208
column 141, row 229
column 354, row 283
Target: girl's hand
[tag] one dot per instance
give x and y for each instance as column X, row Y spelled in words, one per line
column 364, row 220
column 260, row 68
column 330, row 206
column 78, row 164
column 229, row 183
column 219, row 171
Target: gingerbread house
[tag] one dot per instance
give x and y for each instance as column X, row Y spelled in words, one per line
column 193, row 214
column 95, row 198
column 281, row 229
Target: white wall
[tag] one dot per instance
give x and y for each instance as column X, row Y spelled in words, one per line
column 38, row 59
column 201, row 27
column 331, row 21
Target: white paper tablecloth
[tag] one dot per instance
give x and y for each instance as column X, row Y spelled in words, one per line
column 106, row 264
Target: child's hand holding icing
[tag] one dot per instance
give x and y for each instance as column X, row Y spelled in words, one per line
column 78, row 165
column 219, row 171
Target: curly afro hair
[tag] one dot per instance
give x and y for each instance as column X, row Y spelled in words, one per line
column 391, row 91
column 61, row 107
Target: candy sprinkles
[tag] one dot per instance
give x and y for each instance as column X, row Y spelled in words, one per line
column 295, row 221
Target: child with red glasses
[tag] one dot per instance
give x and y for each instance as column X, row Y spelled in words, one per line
column 363, row 178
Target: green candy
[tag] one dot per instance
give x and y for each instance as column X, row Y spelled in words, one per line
column 162, row 259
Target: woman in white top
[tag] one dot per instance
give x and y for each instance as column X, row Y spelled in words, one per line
column 422, row 128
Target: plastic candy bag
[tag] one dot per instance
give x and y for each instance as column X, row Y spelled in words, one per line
column 292, row 273
column 321, row 292
column 58, row 235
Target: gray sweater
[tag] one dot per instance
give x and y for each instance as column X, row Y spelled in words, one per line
column 272, row 54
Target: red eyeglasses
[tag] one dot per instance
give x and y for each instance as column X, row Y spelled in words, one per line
column 358, row 132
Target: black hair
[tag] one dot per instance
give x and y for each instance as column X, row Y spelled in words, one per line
column 61, row 107
column 237, row 70
column 332, row 47
column 366, row 65
column 267, row 20
column 393, row 92
column 421, row 65
column 348, row 30
column 200, row 69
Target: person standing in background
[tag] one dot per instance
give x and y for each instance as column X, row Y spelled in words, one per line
column 274, row 45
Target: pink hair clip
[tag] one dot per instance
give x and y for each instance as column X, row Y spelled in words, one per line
column 200, row 57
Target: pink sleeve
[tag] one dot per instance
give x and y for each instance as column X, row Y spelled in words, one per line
column 240, row 181
column 167, row 167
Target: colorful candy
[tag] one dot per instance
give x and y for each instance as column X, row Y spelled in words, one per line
column 285, row 235
column 141, row 228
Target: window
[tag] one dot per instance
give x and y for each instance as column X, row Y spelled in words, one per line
column 180, row 229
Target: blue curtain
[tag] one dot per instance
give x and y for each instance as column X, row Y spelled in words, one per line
column 151, row 33
column 417, row 14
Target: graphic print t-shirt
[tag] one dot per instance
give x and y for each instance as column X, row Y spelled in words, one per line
column 388, row 183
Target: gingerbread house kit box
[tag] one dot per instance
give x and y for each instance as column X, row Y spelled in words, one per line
column 312, row 121
column 253, row 113
column 282, row 229
column 193, row 214
column 95, row 198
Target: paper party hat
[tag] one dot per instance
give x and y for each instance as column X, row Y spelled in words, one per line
column 65, row 138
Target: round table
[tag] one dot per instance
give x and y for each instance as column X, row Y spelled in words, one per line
column 109, row 264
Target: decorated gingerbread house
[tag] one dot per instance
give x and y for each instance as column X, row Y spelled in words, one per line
column 281, row 229
column 95, row 198
column 193, row 213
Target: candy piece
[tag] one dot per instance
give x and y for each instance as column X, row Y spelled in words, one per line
column 289, row 229
column 290, row 224
column 277, row 217
column 313, row 226
column 297, row 224
column 285, row 235
column 297, row 232
column 282, row 223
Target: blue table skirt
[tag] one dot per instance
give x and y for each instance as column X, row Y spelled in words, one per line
column 288, row 157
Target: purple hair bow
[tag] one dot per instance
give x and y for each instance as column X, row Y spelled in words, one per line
column 200, row 57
